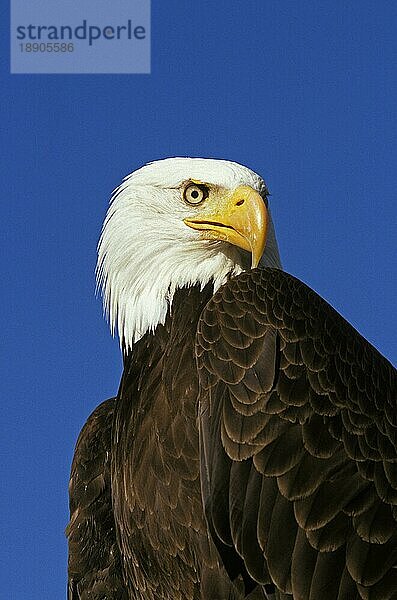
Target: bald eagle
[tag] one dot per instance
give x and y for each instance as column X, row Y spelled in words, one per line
column 251, row 449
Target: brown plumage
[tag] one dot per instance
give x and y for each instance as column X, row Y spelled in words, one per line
column 251, row 450
column 306, row 423
column 149, row 485
column 298, row 419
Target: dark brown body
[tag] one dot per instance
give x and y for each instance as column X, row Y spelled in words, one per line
column 296, row 468
column 152, row 480
column 157, row 496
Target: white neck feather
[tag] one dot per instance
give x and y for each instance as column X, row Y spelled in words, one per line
column 146, row 252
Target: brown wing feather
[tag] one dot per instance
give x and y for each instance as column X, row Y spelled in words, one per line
column 289, row 388
column 94, row 566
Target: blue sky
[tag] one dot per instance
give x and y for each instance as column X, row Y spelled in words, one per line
column 302, row 92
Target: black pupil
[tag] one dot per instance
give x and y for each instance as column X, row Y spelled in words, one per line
column 194, row 194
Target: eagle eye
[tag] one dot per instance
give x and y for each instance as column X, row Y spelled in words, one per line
column 195, row 193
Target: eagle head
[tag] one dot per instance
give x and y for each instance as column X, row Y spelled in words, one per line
column 175, row 223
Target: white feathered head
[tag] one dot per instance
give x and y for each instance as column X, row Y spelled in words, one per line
column 175, row 223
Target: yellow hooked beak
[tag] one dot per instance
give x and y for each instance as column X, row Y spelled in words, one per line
column 239, row 218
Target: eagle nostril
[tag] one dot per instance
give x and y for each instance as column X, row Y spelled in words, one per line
column 240, row 202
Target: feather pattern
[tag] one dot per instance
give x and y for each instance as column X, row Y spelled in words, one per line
column 94, row 564
column 320, row 431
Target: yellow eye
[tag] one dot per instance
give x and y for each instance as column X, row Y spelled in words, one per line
column 194, row 193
